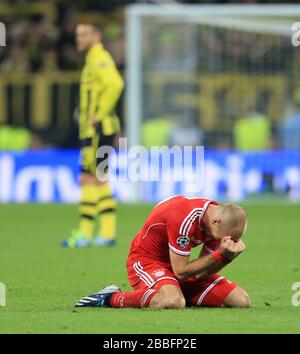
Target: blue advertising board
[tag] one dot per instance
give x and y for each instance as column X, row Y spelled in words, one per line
column 51, row 176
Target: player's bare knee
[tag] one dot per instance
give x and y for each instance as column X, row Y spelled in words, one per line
column 244, row 301
column 168, row 296
column 167, row 301
column 238, row 298
column 174, row 302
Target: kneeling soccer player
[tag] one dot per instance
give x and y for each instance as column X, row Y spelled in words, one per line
column 159, row 269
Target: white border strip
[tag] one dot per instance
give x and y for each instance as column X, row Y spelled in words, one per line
column 182, row 253
column 208, row 289
column 177, row 10
column 146, row 295
column 145, row 277
column 184, row 225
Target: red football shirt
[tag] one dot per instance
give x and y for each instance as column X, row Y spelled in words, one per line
column 174, row 224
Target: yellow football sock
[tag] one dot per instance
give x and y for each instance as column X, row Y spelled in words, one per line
column 107, row 213
column 88, row 210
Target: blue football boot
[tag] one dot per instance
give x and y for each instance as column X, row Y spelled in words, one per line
column 100, row 299
column 76, row 241
column 101, row 242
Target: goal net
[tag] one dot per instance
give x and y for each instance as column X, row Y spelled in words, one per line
column 205, row 75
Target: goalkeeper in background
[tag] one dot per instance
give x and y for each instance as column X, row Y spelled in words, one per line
column 100, row 88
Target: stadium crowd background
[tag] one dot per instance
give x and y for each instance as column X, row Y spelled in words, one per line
column 42, row 37
column 40, row 40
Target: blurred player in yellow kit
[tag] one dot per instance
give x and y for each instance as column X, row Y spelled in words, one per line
column 100, row 88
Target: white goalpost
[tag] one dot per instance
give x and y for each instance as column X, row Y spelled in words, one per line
column 272, row 21
column 208, row 65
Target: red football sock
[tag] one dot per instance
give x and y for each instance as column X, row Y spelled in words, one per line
column 136, row 298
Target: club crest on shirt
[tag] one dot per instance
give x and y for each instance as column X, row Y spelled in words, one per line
column 158, row 273
column 183, row 241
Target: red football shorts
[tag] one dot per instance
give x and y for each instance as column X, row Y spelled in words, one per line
column 212, row 292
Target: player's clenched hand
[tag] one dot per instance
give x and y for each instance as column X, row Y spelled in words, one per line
column 231, row 249
column 94, row 121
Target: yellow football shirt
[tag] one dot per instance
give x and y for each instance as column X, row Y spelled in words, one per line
column 100, row 88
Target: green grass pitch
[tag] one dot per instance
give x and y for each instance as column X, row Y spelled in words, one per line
column 44, row 281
